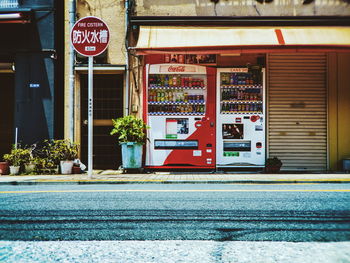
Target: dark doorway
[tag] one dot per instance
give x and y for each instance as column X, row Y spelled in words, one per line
column 108, row 104
column 7, row 98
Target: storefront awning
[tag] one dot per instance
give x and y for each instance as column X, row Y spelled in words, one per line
column 158, row 39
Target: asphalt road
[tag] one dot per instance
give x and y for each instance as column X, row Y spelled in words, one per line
column 221, row 212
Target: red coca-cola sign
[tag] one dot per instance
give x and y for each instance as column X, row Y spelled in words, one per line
column 176, row 69
column 90, row 36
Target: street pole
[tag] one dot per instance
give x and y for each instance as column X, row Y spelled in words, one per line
column 90, row 37
column 90, row 115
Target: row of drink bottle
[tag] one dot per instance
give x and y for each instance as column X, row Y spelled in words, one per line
column 165, row 80
column 241, row 94
column 174, row 96
column 228, row 108
column 240, row 79
column 176, row 109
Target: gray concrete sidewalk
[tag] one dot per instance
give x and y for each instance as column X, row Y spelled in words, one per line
column 115, row 177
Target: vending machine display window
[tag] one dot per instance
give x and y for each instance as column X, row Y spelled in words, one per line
column 176, row 94
column 241, row 92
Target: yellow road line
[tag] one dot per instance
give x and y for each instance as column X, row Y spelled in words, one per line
column 189, row 190
column 272, row 184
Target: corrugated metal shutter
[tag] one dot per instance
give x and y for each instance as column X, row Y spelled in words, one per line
column 297, row 110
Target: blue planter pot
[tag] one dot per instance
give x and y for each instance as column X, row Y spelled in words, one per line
column 131, row 155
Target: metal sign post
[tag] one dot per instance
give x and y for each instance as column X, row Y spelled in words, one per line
column 90, row 114
column 90, row 37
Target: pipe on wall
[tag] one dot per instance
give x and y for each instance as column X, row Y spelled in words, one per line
column 127, row 73
column 72, row 10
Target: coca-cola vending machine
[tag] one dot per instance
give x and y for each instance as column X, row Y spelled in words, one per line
column 179, row 108
column 240, row 117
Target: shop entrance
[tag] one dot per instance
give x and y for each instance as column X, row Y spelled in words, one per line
column 108, row 104
column 297, row 110
column 7, row 95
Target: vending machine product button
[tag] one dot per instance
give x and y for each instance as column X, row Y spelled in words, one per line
column 238, row 120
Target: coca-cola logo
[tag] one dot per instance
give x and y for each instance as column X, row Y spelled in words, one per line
column 176, row 69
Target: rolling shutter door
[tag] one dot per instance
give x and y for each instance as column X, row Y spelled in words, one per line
column 297, row 110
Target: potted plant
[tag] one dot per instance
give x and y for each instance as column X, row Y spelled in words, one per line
column 44, row 165
column 28, row 160
column 131, row 134
column 16, row 158
column 273, row 165
column 63, row 152
column 4, row 168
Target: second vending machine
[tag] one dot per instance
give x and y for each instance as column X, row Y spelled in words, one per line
column 240, row 117
column 180, row 111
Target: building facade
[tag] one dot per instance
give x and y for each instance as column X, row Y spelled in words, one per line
column 31, row 71
column 302, row 48
column 110, row 99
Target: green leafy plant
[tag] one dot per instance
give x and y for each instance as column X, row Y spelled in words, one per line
column 18, row 157
column 60, row 150
column 44, row 165
column 129, row 129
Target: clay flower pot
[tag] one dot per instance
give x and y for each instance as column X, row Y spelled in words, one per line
column 4, row 168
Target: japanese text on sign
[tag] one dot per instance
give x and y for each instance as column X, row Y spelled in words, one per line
column 85, row 36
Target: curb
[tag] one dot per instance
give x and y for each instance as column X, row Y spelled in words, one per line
column 89, row 182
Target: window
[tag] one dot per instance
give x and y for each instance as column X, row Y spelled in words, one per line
column 9, row 4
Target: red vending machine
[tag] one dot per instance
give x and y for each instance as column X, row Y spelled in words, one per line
column 179, row 108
